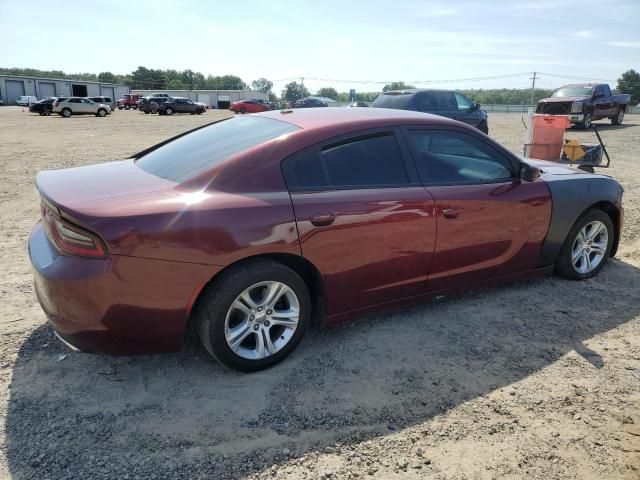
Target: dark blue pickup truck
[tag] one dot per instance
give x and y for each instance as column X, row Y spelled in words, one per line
column 585, row 102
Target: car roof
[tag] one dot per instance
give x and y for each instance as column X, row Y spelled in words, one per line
column 581, row 85
column 410, row 91
column 314, row 118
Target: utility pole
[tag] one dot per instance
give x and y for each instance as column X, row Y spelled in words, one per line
column 533, row 87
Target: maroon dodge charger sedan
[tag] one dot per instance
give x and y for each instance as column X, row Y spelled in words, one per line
column 249, row 229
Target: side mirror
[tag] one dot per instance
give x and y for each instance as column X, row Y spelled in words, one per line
column 477, row 106
column 528, row 173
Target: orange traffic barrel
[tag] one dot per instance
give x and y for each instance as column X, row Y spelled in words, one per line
column 545, row 136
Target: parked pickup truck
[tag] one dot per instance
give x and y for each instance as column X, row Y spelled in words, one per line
column 585, row 102
column 128, row 101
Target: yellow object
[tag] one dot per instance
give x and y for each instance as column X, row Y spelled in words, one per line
column 572, row 150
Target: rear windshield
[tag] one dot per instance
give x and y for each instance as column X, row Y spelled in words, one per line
column 197, row 151
column 392, row 100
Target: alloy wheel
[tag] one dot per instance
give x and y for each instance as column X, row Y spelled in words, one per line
column 262, row 320
column 589, row 247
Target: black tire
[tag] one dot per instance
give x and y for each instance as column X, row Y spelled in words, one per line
column 169, row 111
column 66, row 112
column 214, row 302
column 564, row 266
column 483, row 127
column 127, row 107
column 120, row 108
column 47, row 111
column 587, row 121
column 41, row 114
column 618, row 118
column 243, row 110
column 101, row 113
column 147, row 112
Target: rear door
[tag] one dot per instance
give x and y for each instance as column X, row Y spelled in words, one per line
column 363, row 218
column 437, row 102
column 489, row 222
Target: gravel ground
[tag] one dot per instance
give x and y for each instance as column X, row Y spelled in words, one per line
column 530, row 380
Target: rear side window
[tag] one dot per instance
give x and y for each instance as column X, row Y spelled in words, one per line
column 197, row 151
column 399, row 101
column 365, row 162
column 448, row 157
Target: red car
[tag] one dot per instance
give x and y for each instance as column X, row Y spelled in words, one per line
column 250, row 229
column 250, row 106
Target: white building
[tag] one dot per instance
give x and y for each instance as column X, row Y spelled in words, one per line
column 12, row 87
column 213, row 98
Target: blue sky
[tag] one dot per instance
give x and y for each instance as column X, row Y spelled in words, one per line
column 360, row 41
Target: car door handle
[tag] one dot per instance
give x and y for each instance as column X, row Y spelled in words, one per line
column 322, row 219
column 450, row 213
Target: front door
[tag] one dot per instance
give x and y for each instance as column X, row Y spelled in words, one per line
column 467, row 110
column 363, row 220
column 489, row 222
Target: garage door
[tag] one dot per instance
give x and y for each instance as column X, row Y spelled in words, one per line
column 224, row 101
column 107, row 92
column 46, row 89
column 204, row 98
column 15, row 89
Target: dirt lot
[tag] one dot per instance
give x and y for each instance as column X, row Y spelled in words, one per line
column 532, row 380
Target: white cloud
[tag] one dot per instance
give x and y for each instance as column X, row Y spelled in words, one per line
column 625, row 44
column 583, row 34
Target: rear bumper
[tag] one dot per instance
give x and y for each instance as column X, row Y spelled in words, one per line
column 118, row 304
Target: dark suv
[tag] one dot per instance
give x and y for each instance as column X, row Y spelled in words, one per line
column 150, row 104
column 445, row 103
column 180, row 105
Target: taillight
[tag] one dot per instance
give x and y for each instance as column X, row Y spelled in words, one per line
column 71, row 238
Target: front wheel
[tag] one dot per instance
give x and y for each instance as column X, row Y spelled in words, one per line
column 127, row 107
column 483, row 127
column 101, row 112
column 253, row 315
column 586, row 121
column 169, row 111
column 619, row 118
column 587, row 246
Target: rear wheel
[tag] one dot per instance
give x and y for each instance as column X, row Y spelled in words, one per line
column 66, row 112
column 127, row 107
column 253, row 315
column 587, row 246
column 619, row 117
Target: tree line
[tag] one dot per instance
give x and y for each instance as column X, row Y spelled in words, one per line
column 159, row 79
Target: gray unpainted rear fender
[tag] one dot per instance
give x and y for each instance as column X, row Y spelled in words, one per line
column 571, row 197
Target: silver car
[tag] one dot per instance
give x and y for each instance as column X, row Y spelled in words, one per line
column 80, row 106
column 106, row 100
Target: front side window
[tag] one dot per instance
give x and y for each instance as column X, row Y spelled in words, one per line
column 449, row 157
column 464, row 104
column 365, row 162
column 197, row 151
